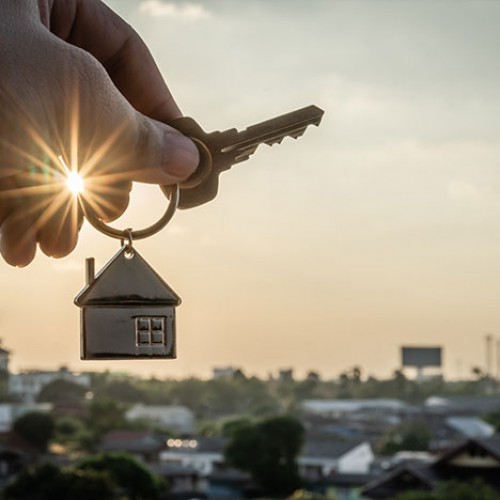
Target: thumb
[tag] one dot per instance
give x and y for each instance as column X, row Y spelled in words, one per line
column 164, row 155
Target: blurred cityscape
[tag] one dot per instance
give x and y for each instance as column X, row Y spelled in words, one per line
column 237, row 436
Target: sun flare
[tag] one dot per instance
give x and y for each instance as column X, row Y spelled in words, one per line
column 74, row 181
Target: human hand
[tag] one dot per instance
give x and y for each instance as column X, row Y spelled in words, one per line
column 77, row 82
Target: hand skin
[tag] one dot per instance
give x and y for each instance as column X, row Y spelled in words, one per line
column 73, row 72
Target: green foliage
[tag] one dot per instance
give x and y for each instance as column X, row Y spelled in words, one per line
column 48, row 482
column 475, row 489
column 493, row 418
column 37, row 428
column 307, row 495
column 104, row 415
column 268, row 450
column 407, row 437
column 109, row 476
column 230, row 427
column 131, row 476
column 225, row 396
column 62, row 391
column 470, row 490
column 218, row 398
column 124, row 390
column 73, row 434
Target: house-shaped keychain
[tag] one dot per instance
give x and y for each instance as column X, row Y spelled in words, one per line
column 127, row 311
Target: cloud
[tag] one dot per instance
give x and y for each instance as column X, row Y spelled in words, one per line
column 161, row 8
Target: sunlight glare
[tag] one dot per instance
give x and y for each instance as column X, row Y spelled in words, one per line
column 74, row 180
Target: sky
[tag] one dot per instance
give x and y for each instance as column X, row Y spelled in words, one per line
column 379, row 228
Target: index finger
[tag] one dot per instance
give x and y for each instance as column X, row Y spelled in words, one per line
column 94, row 27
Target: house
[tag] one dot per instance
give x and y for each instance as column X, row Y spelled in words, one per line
column 178, row 419
column 339, row 408
column 326, row 457
column 206, row 456
column 9, row 412
column 26, row 386
column 203, row 454
column 320, row 463
column 462, row 405
column 477, row 457
column 144, row 445
column 184, row 483
column 127, row 311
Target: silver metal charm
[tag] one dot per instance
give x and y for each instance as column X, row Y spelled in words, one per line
column 127, row 310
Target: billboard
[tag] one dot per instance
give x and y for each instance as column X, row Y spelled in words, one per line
column 421, row 357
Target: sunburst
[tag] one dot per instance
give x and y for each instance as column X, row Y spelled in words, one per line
column 58, row 179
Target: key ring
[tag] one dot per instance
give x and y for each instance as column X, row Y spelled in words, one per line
column 128, row 234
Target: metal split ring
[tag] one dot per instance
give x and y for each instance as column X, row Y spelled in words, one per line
column 128, row 235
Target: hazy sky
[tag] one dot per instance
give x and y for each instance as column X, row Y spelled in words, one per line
column 377, row 229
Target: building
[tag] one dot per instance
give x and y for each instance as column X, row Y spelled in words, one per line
column 462, row 405
column 338, row 408
column 184, row 483
column 473, row 458
column 26, row 386
column 204, row 455
column 321, row 458
column 144, row 445
column 9, row 412
column 316, row 460
column 178, row 419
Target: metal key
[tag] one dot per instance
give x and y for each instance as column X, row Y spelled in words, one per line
column 219, row 151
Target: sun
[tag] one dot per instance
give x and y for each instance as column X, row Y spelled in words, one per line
column 74, row 181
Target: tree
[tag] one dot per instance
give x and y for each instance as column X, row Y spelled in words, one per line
column 407, row 437
column 123, row 390
column 62, row 391
column 72, row 433
column 37, row 428
column 475, row 489
column 268, row 451
column 191, row 393
column 48, row 482
column 104, row 415
column 493, row 418
column 127, row 473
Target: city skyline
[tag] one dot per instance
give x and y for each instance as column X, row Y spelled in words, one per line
column 377, row 229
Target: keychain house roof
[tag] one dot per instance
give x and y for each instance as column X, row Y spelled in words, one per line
column 127, row 311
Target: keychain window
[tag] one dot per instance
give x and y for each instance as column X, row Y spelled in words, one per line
column 150, row 330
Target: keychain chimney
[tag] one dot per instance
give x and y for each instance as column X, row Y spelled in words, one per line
column 90, row 270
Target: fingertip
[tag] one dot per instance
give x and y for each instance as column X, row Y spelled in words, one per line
column 59, row 236
column 165, row 156
column 17, row 252
column 57, row 248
